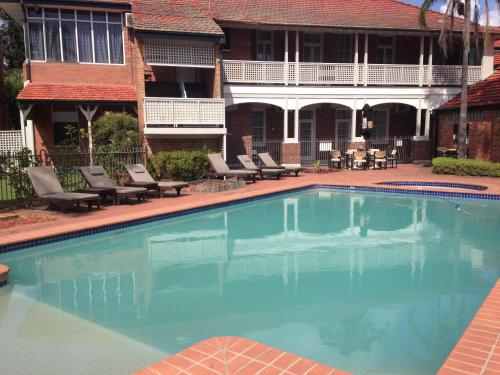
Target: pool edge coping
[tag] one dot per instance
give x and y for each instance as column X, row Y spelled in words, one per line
column 15, row 245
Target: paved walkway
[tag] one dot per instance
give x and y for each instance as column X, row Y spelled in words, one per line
column 65, row 223
column 236, row 355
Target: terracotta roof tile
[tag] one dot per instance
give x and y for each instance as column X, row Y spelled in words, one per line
column 180, row 16
column 485, row 92
column 387, row 14
column 78, row 93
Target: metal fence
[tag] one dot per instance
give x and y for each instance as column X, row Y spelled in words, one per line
column 271, row 146
column 318, row 150
column 15, row 184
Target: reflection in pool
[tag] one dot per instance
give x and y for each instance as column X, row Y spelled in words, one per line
column 366, row 283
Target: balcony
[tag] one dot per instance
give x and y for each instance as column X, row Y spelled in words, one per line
column 182, row 116
column 276, row 72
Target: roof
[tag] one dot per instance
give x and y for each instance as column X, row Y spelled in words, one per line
column 77, row 93
column 384, row 14
column 175, row 16
column 485, row 92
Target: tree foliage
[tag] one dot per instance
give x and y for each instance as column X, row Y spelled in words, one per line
column 115, row 131
column 12, row 40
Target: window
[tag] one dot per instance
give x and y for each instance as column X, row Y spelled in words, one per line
column 313, row 51
column 385, row 50
column 380, row 124
column 75, row 36
column 472, row 115
column 258, row 126
column 227, row 39
column 65, row 128
column 342, row 48
column 343, row 124
column 264, row 45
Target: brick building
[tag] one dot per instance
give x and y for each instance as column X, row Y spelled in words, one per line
column 483, row 126
column 240, row 76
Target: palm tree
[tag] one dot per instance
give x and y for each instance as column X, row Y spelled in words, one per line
column 462, row 8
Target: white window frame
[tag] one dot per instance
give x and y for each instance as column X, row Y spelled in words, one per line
column 313, row 44
column 386, row 47
column 76, row 20
column 264, row 42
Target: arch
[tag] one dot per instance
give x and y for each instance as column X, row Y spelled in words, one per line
column 271, row 101
column 349, row 103
column 374, row 102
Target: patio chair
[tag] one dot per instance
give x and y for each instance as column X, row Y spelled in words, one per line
column 269, row 162
column 348, row 156
column 97, row 178
column 249, row 165
column 380, row 158
column 336, row 158
column 49, row 189
column 141, row 178
column 441, row 151
column 221, row 169
column 359, row 159
column 393, row 158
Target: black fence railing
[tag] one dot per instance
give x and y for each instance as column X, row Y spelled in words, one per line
column 15, row 184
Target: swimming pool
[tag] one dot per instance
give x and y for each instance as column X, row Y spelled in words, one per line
column 367, row 282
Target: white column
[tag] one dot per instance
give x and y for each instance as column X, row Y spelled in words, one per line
column 27, row 131
column 429, row 69
column 297, row 58
column 421, row 62
column 296, row 122
column 353, row 122
column 286, row 58
column 427, row 122
column 419, row 119
column 224, row 146
column 488, row 57
column 285, row 122
column 89, row 115
column 356, row 65
column 365, row 62
column 23, row 125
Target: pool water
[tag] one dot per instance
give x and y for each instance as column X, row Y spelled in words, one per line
column 368, row 283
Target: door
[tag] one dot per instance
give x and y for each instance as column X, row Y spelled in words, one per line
column 307, row 136
column 343, row 129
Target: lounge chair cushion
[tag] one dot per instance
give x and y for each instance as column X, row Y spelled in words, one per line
column 96, row 176
column 126, row 190
column 172, row 184
column 70, row 197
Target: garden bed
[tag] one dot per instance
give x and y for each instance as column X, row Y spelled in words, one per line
column 321, row 170
column 216, row 186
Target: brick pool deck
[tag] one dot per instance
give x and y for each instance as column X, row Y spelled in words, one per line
column 236, row 355
column 477, row 352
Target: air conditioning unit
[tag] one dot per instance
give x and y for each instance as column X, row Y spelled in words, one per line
column 129, row 20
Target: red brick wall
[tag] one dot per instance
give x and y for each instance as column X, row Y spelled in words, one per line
column 480, row 140
column 239, row 127
column 241, row 45
column 421, row 150
column 290, row 153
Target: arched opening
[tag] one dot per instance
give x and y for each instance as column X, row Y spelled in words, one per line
column 253, row 128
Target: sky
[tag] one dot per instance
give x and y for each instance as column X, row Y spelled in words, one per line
column 441, row 6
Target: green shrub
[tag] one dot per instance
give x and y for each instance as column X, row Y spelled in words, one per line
column 13, row 169
column 179, row 165
column 115, row 131
column 465, row 167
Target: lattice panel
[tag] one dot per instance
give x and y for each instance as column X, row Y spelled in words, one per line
column 254, row 71
column 11, row 140
column 451, row 75
column 174, row 112
column 179, row 53
column 393, row 74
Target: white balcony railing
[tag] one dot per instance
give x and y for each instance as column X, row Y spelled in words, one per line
column 183, row 113
column 276, row 72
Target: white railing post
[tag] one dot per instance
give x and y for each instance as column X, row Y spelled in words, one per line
column 421, row 62
column 429, row 69
column 297, row 78
column 356, row 64
column 365, row 62
column 285, row 67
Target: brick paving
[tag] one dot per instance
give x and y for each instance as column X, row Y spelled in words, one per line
column 478, row 350
column 236, row 355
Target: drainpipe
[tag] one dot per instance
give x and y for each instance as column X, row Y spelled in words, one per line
column 27, row 52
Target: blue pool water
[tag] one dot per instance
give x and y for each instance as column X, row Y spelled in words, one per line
column 369, row 283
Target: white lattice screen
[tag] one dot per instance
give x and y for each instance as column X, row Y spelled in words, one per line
column 452, row 75
column 174, row 112
column 11, row 140
column 179, row 53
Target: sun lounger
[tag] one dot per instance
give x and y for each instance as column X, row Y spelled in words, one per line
column 393, row 158
column 249, row 165
column 97, row 177
column 359, row 160
column 141, row 177
column 49, row 189
column 380, row 158
column 336, row 158
column 269, row 162
column 221, row 169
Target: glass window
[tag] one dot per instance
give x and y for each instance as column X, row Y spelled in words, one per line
column 385, row 50
column 379, row 124
column 75, row 36
column 36, row 40
column 258, row 126
column 264, row 45
column 312, row 47
column 342, row 48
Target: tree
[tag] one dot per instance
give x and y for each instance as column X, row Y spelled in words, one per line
column 12, row 39
column 461, row 8
column 116, row 131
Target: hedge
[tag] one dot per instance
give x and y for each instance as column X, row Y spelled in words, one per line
column 465, row 167
column 179, row 165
